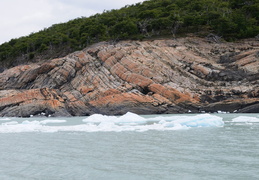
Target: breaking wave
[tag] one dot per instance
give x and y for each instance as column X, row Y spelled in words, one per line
column 102, row 123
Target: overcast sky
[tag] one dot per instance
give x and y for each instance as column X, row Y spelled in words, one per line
column 22, row 17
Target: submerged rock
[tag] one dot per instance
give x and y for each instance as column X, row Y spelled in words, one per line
column 159, row 76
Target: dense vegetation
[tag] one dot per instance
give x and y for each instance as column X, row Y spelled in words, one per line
column 230, row 19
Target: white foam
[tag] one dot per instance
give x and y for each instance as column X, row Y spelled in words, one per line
column 127, row 122
column 245, row 119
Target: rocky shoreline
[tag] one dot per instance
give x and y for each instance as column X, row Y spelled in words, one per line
column 144, row 77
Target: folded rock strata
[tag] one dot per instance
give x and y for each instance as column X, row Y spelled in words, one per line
column 144, row 77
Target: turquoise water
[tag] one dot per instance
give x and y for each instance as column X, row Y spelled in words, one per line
column 207, row 146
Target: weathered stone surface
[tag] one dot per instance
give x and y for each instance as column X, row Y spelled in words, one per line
column 159, row 76
column 32, row 102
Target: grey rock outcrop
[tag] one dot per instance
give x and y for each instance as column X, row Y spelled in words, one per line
column 159, row 76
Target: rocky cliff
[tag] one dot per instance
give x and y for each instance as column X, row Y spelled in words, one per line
column 159, row 76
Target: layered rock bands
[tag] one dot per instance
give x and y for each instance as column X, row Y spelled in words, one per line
column 158, row 76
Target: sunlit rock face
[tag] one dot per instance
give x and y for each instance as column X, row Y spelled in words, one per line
column 145, row 77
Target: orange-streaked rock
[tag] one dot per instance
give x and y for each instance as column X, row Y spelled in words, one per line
column 146, row 77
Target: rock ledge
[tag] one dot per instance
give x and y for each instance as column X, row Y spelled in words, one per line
column 160, row 76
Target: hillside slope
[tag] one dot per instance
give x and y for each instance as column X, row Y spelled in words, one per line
column 229, row 19
column 145, row 77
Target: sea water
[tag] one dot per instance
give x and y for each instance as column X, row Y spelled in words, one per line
column 130, row 147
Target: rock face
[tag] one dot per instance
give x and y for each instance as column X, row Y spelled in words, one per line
column 159, row 76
